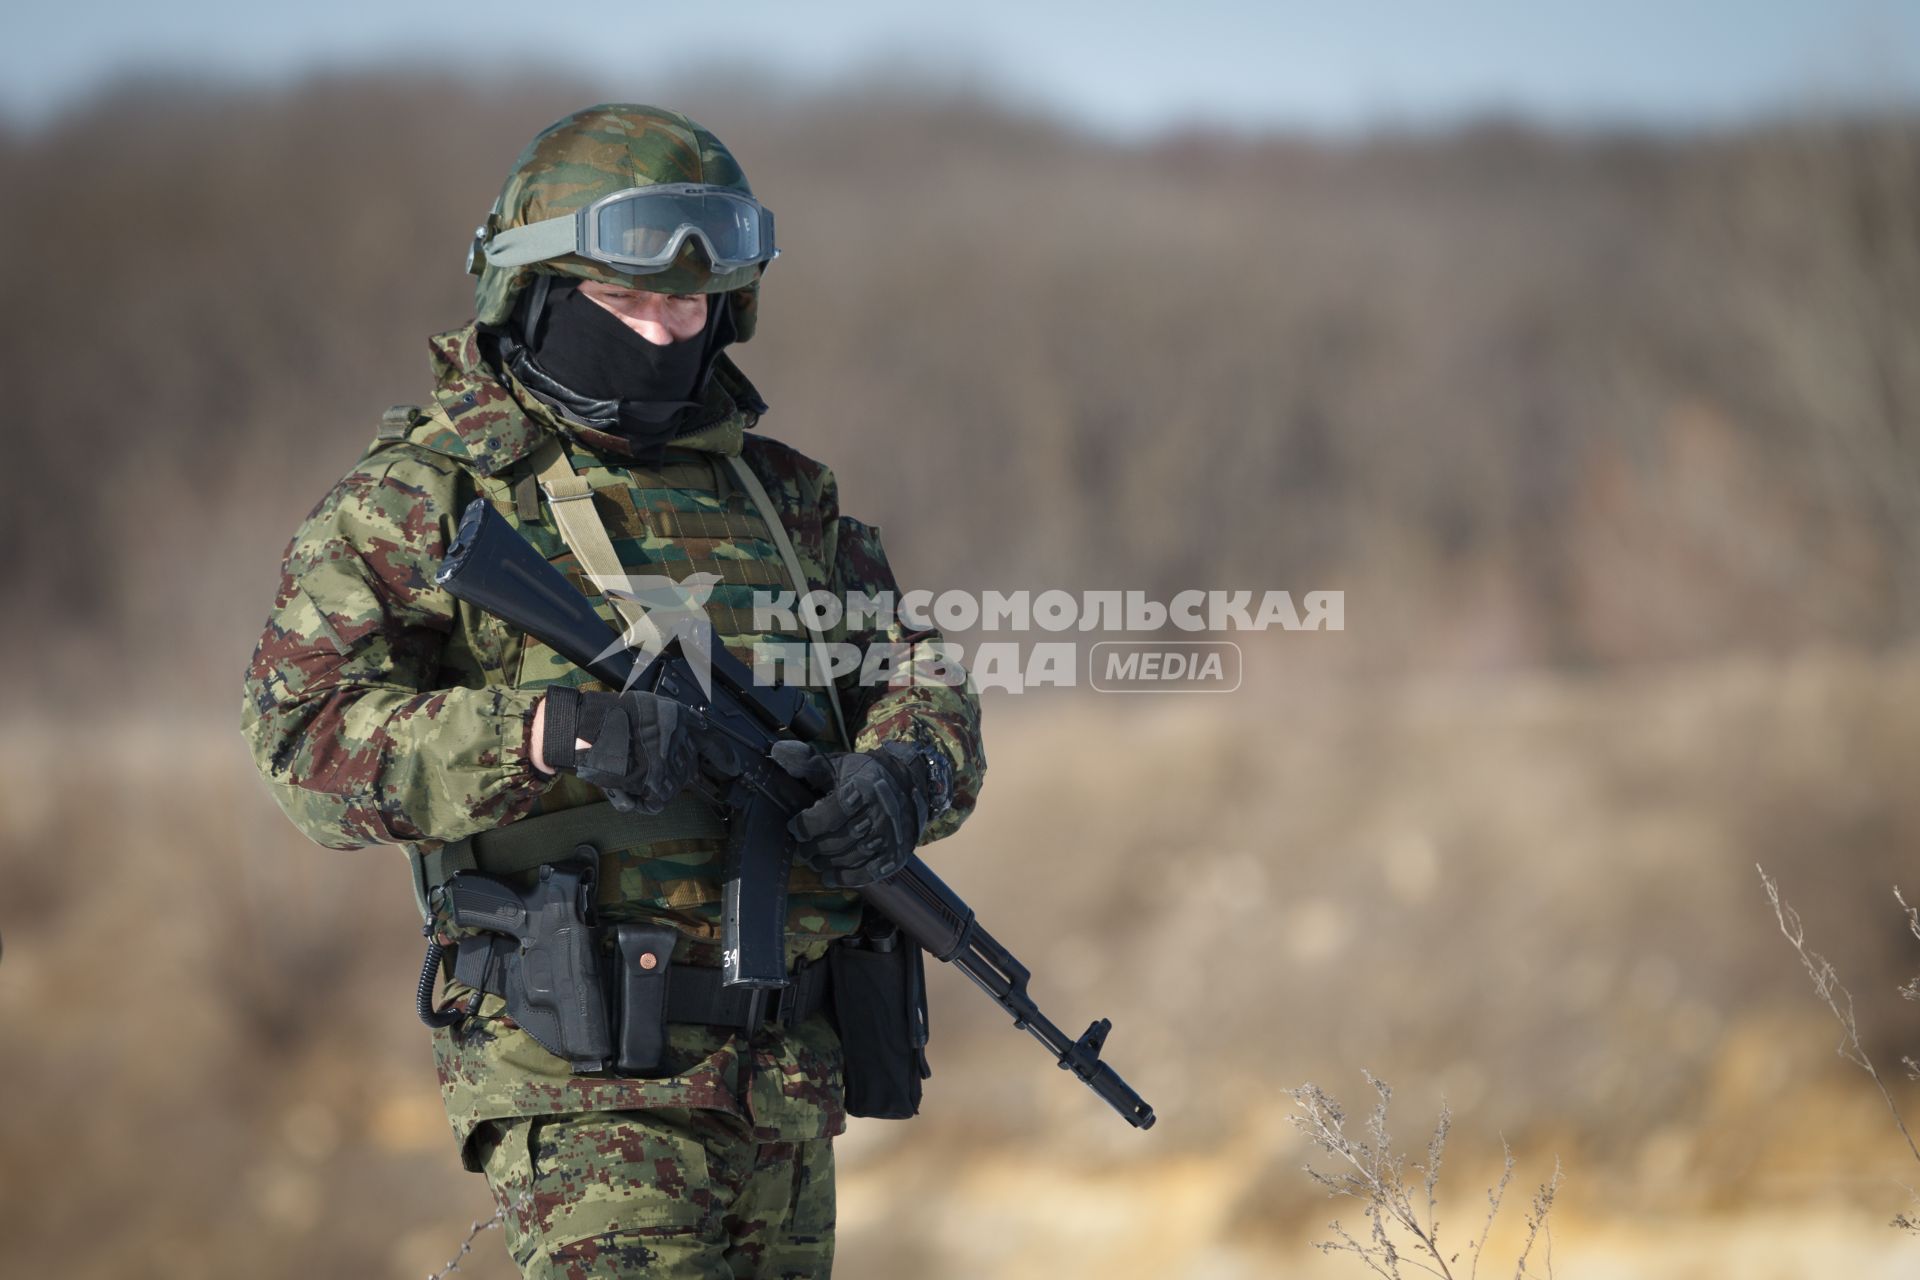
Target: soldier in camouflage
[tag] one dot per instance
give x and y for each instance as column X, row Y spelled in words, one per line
column 380, row 710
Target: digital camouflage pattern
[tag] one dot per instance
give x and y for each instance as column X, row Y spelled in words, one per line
column 780, row 1085
column 594, row 153
column 380, row 710
column 670, row 1192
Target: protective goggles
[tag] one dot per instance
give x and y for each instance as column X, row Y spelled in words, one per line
column 642, row 230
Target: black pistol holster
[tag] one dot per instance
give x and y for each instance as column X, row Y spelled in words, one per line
column 596, row 997
column 542, row 956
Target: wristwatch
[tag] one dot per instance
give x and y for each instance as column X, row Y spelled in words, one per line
column 939, row 778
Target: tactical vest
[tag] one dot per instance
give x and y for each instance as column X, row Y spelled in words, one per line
column 684, row 514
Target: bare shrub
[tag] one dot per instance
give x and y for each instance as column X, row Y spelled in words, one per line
column 1827, row 985
column 1404, row 1221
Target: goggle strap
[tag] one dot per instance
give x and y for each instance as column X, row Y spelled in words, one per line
column 536, row 242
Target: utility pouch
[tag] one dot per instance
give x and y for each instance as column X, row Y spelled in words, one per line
column 880, row 1006
column 646, row 956
column 551, row 980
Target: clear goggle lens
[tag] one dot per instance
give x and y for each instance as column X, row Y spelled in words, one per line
column 641, row 230
column 648, row 228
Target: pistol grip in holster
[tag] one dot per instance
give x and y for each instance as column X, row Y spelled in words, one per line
column 552, row 978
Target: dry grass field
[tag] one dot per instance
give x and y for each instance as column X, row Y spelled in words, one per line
column 1533, row 896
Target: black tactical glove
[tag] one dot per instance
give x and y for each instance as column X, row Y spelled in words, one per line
column 642, row 754
column 876, row 804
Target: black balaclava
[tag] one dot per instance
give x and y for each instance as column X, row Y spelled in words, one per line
column 574, row 351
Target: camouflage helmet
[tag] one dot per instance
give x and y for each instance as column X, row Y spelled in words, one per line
column 604, row 149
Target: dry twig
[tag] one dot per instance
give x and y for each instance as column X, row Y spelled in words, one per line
column 473, row 1233
column 1400, row 1233
column 1827, row 985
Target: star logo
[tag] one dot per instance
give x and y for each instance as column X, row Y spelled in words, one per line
column 657, row 611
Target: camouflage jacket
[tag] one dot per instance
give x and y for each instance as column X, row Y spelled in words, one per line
column 380, row 710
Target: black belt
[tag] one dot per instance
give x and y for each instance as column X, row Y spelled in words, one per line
column 694, row 992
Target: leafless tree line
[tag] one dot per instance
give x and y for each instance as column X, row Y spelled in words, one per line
column 1624, row 397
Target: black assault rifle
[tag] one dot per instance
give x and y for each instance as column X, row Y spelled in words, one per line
column 493, row 568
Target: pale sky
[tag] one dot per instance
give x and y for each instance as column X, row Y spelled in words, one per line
column 1123, row 67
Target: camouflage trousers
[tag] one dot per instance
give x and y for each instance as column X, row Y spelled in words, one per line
column 668, row 1192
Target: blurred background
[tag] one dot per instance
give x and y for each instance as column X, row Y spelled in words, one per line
column 1581, row 349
